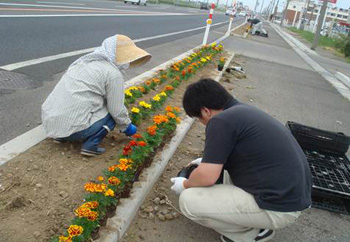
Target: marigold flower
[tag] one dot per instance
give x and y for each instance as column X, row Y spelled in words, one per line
column 65, row 239
column 123, row 167
column 208, row 57
column 171, row 115
column 152, row 130
column 177, row 109
column 114, row 180
column 142, row 143
column 124, row 161
column 158, row 119
column 111, row 168
column 109, row 193
column 92, row 216
column 133, row 143
column 203, row 60
column 82, row 211
column 89, row 187
column 178, row 120
column 135, row 110
column 163, row 76
column 148, row 83
column 145, row 105
column 169, row 88
column 137, row 136
column 189, row 70
column 75, row 230
column 128, row 93
column 100, row 178
column 142, row 89
column 163, row 94
column 156, row 80
column 93, row 204
column 169, row 109
column 156, row 98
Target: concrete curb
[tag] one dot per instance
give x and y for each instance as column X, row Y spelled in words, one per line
column 128, row 208
column 344, row 78
column 23, row 142
column 339, row 86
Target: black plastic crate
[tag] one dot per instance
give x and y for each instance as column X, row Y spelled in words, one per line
column 329, row 172
column 314, row 139
column 330, row 202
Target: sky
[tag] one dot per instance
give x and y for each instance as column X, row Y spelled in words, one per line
column 251, row 3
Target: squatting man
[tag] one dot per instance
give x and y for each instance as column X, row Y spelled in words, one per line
column 266, row 181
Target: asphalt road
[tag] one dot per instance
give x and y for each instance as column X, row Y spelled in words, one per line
column 37, row 34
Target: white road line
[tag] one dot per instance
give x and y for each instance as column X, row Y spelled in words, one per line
column 57, row 6
column 144, row 14
column 81, row 4
column 22, row 64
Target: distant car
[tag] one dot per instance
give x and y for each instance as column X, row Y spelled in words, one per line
column 230, row 12
column 242, row 14
column 204, row 6
column 138, row 2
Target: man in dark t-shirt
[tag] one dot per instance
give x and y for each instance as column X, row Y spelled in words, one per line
column 256, row 25
column 267, row 181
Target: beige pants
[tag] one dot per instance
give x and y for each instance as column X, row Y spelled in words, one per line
column 231, row 211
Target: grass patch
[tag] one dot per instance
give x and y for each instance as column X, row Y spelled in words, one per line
column 323, row 40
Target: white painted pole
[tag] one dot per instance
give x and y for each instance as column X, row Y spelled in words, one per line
column 229, row 26
column 209, row 22
column 316, row 21
column 295, row 17
column 325, row 17
column 300, row 18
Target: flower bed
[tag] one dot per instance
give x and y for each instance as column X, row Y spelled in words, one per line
column 103, row 193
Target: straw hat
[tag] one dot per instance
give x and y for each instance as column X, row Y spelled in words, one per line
column 128, row 52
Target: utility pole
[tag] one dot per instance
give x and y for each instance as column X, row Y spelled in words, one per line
column 262, row 5
column 303, row 16
column 284, row 13
column 319, row 24
column 256, row 5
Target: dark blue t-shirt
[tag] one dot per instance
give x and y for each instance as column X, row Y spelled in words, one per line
column 261, row 156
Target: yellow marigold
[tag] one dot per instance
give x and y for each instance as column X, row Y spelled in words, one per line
column 169, row 109
column 123, row 167
column 208, row 57
column 75, row 230
column 135, row 110
column 145, row 105
column 109, row 193
column 100, row 187
column 189, row 58
column 156, row 98
column 93, row 204
column 128, row 93
column 171, row 115
column 163, row 94
column 114, row 180
column 177, row 109
column 203, row 60
column 178, row 120
column 100, row 178
column 65, row 239
column 213, row 44
column 133, row 88
column 123, row 161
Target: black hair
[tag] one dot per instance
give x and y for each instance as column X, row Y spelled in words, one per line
column 249, row 20
column 205, row 93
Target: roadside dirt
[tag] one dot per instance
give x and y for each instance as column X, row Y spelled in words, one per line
column 41, row 188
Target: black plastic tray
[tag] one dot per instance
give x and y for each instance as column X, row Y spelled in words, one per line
column 314, row 139
column 330, row 202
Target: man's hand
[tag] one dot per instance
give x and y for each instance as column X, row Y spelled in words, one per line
column 178, row 186
column 195, row 162
column 130, row 130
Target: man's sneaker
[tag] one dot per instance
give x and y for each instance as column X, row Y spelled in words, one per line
column 264, row 235
column 95, row 152
column 58, row 141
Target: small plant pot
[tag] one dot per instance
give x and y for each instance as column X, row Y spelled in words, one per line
column 220, row 67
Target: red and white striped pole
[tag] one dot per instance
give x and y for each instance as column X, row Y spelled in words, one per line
column 209, row 22
column 231, row 17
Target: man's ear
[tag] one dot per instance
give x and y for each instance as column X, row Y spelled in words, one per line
column 206, row 112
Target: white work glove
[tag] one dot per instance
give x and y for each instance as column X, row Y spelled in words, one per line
column 195, row 162
column 178, row 186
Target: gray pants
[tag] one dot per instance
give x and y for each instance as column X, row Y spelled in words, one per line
column 258, row 27
column 231, row 211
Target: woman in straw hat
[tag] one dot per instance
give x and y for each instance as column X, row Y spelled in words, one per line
column 88, row 101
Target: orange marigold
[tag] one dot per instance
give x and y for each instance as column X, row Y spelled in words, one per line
column 93, row 204
column 156, row 80
column 169, row 109
column 158, row 119
column 100, row 187
column 178, row 120
column 114, row 180
column 89, row 187
column 75, row 230
column 152, row 130
column 142, row 143
column 148, row 83
column 142, row 89
column 82, row 211
column 65, row 239
column 123, row 167
column 92, row 216
column 171, row 115
column 111, row 168
column 169, row 88
column 137, row 136
column 177, row 109
column 183, row 73
column 100, row 178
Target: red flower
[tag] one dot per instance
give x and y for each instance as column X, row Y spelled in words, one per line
column 137, row 136
column 133, row 143
column 183, row 73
